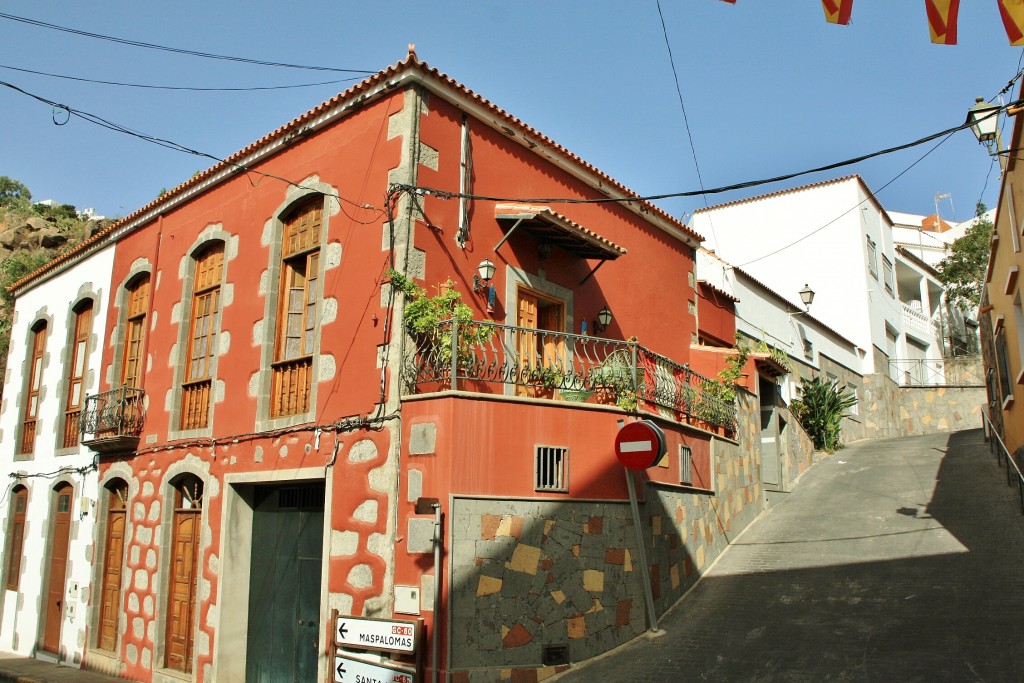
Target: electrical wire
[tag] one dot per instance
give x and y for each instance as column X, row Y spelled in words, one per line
column 871, row 195
column 173, row 87
column 176, row 50
column 445, row 194
column 686, row 120
column 170, row 144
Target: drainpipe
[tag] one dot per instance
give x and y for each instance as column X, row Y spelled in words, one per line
column 437, row 589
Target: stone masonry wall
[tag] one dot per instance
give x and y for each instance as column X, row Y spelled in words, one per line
column 533, row 573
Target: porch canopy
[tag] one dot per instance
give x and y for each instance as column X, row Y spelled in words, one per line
column 555, row 229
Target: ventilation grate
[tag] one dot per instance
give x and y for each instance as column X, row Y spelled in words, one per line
column 551, row 469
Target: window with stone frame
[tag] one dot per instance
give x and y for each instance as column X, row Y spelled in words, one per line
column 16, row 537
column 297, row 310
column 76, row 374
column 32, row 387
column 204, row 323
column 134, row 331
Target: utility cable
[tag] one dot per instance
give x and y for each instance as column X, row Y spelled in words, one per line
column 176, row 50
column 686, row 120
column 445, row 194
column 871, row 195
column 170, row 144
column 172, row 87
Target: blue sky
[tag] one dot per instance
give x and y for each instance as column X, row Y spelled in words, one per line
column 769, row 88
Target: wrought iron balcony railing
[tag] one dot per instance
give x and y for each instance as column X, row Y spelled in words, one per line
column 486, row 357
column 112, row 421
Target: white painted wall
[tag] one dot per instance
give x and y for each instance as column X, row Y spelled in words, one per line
column 818, row 232
column 20, row 628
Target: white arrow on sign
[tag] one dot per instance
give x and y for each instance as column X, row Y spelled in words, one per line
column 348, row 670
column 376, row 634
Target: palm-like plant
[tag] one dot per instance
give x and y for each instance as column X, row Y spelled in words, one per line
column 821, row 410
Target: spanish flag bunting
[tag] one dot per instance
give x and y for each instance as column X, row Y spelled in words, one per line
column 837, row 11
column 942, row 20
column 1012, row 12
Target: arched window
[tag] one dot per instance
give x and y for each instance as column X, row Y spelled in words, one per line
column 116, row 492
column 297, row 308
column 135, row 331
column 16, row 534
column 203, row 327
column 181, row 598
column 35, row 380
column 76, row 373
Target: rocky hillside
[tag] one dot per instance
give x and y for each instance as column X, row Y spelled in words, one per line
column 30, row 236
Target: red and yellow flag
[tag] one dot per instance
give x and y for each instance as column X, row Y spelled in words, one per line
column 837, row 11
column 1012, row 12
column 942, row 20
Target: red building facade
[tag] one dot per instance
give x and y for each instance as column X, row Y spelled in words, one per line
column 268, row 424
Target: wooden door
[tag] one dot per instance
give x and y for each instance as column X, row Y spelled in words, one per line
column 110, row 592
column 184, row 573
column 537, row 350
column 58, row 568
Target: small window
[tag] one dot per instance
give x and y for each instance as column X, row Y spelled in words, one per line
column 685, row 465
column 887, row 275
column 855, row 408
column 551, row 469
column 872, row 258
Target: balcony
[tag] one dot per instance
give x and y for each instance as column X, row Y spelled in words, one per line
column 915, row 320
column 112, row 421
column 488, row 358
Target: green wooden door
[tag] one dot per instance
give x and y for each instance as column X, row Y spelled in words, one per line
column 284, row 584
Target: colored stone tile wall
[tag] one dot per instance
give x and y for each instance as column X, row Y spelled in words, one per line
column 533, row 573
column 528, row 574
column 927, row 410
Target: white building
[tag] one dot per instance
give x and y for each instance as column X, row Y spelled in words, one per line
column 47, row 509
column 835, row 237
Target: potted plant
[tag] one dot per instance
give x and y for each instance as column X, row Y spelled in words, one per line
column 422, row 318
column 616, row 381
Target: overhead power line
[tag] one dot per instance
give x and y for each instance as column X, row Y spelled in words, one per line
column 445, row 194
column 173, row 87
column 176, row 50
column 169, row 144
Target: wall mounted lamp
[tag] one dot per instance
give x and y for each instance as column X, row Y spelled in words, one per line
column 807, row 297
column 482, row 282
column 604, row 319
column 983, row 118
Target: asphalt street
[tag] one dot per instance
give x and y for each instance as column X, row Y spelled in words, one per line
column 891, row 560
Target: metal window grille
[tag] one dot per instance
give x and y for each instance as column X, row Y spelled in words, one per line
column 551, row 469
column 685, row 465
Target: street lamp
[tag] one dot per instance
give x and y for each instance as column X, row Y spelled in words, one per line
column 482, row 282
column 807, row 297
column 983, row 118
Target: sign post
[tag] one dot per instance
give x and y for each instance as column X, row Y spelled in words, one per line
column 351, row 670
column 640, row 445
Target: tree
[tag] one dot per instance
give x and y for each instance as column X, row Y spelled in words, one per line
column 13, row 192
column 963, row 270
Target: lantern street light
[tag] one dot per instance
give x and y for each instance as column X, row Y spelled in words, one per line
column 983, row 118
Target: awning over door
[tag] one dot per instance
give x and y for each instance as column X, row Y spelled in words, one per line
column 557, row 230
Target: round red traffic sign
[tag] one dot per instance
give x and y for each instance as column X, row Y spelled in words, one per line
column 639, row 445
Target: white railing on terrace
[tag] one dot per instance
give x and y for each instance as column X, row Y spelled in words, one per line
column 934, row 373
column 915, row 319
column 489, row 358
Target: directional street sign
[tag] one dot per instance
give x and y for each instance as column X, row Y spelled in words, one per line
column 348, row 670
column 376, row 634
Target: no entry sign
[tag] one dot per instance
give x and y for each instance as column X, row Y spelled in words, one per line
column 639, row 445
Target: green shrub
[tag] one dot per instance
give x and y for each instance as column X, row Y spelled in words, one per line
column 820, row 412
